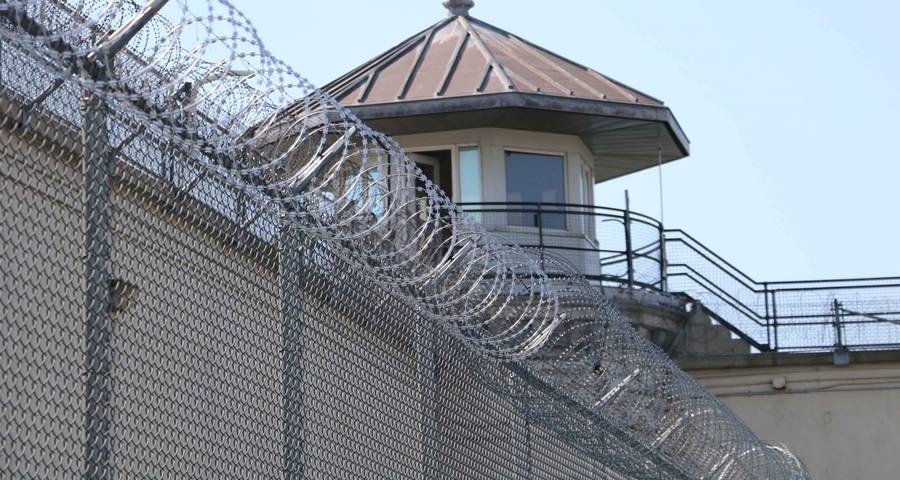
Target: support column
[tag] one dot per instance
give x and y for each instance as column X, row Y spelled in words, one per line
column 290, row 260
column 96, row 172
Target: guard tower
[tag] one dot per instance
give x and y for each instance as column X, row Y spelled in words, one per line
column 507, row 128
column 483, row 109
column 518, row 136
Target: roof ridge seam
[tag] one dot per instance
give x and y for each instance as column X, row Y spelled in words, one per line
column 451, row 67
column 538, row 72
column 426, row 43
column 542, row 56
column 487, row 53
column 613, row 82
column 353, row 76
column 377, row 68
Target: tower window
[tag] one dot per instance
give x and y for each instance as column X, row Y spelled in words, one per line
column 535, row 178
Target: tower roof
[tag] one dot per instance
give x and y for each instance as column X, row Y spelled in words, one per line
column 463, row 56
column 462, row 73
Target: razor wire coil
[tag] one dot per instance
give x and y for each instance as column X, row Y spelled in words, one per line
column 197, row 100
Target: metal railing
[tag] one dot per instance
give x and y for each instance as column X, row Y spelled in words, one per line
column 622, row 248
column 610, row 245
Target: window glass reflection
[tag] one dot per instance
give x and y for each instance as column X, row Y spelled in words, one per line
column 535, row 178
column 470, row 177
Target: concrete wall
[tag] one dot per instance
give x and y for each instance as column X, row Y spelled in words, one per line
column 193, row 297
column 40, row 315
column 197, row 367
column 842, row 422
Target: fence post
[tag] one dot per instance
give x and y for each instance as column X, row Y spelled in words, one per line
column 529, row 451
column 290, row 263
column 629, row 253
column 528, row 473
column 97, row 168
column 428, row 381
column 96, row 171
column 836, row 308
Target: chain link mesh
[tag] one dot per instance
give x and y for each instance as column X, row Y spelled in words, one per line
column 213, row 270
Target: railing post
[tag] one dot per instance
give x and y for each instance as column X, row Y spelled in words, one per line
column 663, row 260
column 168, row 169
column 775, row 320
column 539, row 222
column 768, row 319
column 629, row 252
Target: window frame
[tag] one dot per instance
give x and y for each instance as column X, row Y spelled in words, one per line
column 536, row 151
column 457, row 176
column 564, row 156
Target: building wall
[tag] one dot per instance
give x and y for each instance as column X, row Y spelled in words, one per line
column 493, row 143
column 842, row 422
column 41, row 358
column 194, row 296
column 198, row 386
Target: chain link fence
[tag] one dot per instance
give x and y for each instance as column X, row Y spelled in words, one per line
column 211, row 270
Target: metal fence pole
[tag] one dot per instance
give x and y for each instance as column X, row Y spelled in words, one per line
column 427, row 377
column 96, row 171
column 529, row 451
column 768, row 318
column 836, row 320
column 629, row 253
column 290, row 259
column 523, row 408
column 775, row 320
column 663, row 260
column 539, row 221
column 97, row 167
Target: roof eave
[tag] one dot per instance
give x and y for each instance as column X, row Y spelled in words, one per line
column 533, row 101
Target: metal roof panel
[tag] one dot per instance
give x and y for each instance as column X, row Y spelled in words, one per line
column 452, row 58
column 462, row 73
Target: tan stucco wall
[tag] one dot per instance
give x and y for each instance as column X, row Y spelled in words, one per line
column 843, row 422
column 197, row 352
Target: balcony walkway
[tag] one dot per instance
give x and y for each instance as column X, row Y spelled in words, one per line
column 626, row 250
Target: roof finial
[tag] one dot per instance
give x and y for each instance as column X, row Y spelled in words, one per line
column 459, row 7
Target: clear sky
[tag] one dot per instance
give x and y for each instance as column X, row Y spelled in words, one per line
column 792, row 108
